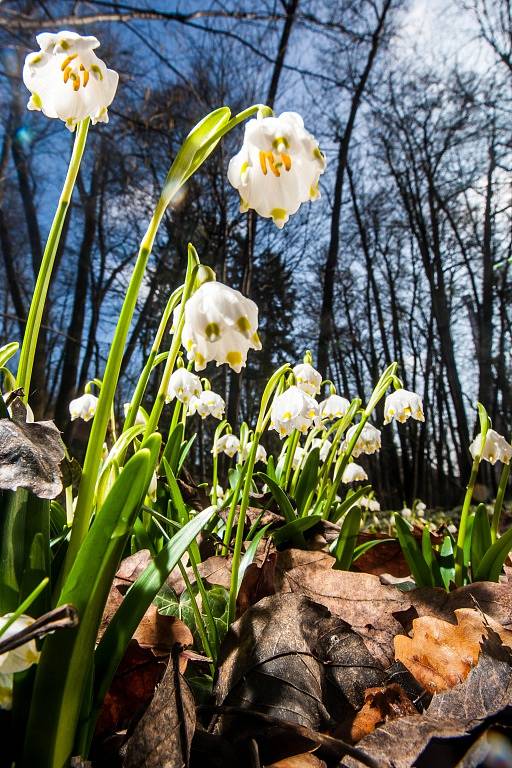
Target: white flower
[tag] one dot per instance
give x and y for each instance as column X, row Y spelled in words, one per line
column 207, row 404
column 228, row 444
column 183, row 385
column 261, row 454
column 153, row 487
column 353, row 473
column 401, row 405
column 307, row 379
column 83, row 407
column 371, row 504
column 67, row 80
column 495, row 449
column 324, row 445
column 277, row 168
column 406, row 512
column 220, row 324
column 140, row 419
column 420, row 508
column 25, row 655
column 367, row 442
column 334, row 407
column 293, row 409
column 452, row 529
column 222, row 493
column 298, row 457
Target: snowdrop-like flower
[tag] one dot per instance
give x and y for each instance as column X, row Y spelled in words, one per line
column 372, row 505
column 83, row 407
column 140, row 419
column 228, row 444
column 67, row 80
column 298, row 457
column 353, row 473
column 401, row 405
column 334, row 407
column 367, row 442
column 293, row 409
column 17, row 660
column 183, row 385
column 261, row 454
column 153, row 487
column 220, row 324
column 222, row 494
column 307, row 379
column 324, row 445
column 207, row 404
column 277, row 168
column 496, row 448
column 420, row 508
column 406, row 512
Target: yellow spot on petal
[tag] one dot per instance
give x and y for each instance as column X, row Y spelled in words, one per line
column 234, row 358
column 212, row 331
column 96, row 72
column 244, row 326
column 278, row 213
column 198, row 357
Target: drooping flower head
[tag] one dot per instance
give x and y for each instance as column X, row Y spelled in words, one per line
column 183, row 385
column 353, row 473
column 140, row 418
column 220, row 324
column 277, row 168
column 293, row 409
column 228, row 444
column 67, row 80
column 17, row 660
column 207, row 404
column 261, row 454
column 83, row 407
column 496, row 448
column 368, row 441
column 307, row 378
column 402, row 405
column 333, row 407
column 324, row 445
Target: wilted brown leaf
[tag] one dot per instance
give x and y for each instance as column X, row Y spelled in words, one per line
column 381, row 705
column 30, row 457
column 164, row 734
column 306, row 760
column 440, row 655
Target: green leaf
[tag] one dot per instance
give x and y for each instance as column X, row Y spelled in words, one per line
column 63, row 671
column 139, row 597
column 447, row 562
column 307, row 481
column 491, row 564
column 480, row 537
column 413, row 554
column 348, row 502
column 293, row 531
column 430, row 556
column 8, row 351
column 184, row 453
column 347, row 539
column 250, row 554
column 361, row 549
column 173, row 447
column 271, row 468
column 283, row 502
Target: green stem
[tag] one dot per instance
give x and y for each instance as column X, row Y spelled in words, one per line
column 459, row 554
column 239, row 538
column 290, row 453
column 498, row 504
column 35, row 315
column 110, row 378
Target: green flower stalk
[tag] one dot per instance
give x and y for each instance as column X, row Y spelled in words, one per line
column 35, row 315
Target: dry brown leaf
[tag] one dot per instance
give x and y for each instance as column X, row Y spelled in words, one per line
column 439, row 654
column 381, row 705
column 306, row 760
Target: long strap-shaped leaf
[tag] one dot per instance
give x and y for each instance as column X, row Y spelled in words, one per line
column 64, row 667
column 139, row 597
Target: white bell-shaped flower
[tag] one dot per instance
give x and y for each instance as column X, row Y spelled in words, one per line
column 307, row 378
column 140, row 418
column 207, row 404
column 420, row 508
column 368, row 441
column 298, row 457
column 25, row 655
column 496, row 448
column 333, row 407
column 183, row 385
column 353, row 473
column 153, row 487
column 83, row 407
column 220, row 324
column 293, row 409
column 67, row 80
column 324, row 445
column 402, row 405
column 277, row 168
column 228, row 444
column 261, row 454
column 370, row 504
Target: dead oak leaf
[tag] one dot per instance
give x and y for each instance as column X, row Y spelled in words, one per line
column 30, row 457
column 439, row 654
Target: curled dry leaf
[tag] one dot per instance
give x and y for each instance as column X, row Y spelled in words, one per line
column 381, row 705
column 306, row 760
column 30, row 457
column 163, row 736
column 441, row 655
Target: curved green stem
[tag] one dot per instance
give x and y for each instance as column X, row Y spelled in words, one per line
column 35, row 315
